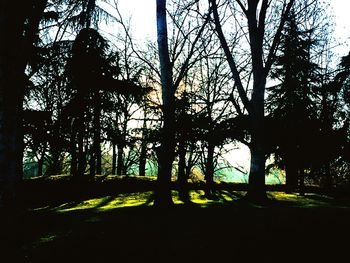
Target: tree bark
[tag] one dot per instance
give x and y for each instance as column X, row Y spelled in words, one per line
column 256, row 188
column 120, row 161
column 114, row 158
column 97, row 133
column 92, row 163
column 143, row 151
column 81, row 152
column 73, row 149
column 143, row 159
column 291, row 172
column 209, row 169
column 182, row 173
column 166, row 154
column 40, row 165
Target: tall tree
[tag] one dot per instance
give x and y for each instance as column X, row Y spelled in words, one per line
column 255, row 14
column 18, row 28
column 180, row 60
column 167, row 149
column 291, row 101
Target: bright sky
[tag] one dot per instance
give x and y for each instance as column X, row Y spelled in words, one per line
column 143, row 19
column 342, row 30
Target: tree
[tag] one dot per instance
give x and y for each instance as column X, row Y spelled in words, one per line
column 255, row 14
column 19, row 28
column 184, row 47
column 167, row 148
column 291, row 101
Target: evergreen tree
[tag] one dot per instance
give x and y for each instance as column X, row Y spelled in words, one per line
column 290, row 102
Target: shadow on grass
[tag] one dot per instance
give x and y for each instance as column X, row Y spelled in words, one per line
column 93, row 221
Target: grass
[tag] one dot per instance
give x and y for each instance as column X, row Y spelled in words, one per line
column 111, row 224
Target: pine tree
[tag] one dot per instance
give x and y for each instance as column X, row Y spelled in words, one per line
column 290, row 102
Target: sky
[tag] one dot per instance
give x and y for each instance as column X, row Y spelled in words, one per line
column 342, row 24
column 143, row 20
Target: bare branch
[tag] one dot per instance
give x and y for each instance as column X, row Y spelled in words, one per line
column 277, row 37
column 229, row 57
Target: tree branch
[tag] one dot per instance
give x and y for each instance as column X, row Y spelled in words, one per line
column 277, row 37
column 229, row 57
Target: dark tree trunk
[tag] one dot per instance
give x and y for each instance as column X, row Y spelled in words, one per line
column 73, row 149
column 256, row 188
column 143, row 151
column 209, row 169
column 302, row 182
column 97, row 133
column 181, row 176
column 40, row 165
column 291, row 172
column 92, row 163
column 12, row 65
column 163, row 197
column 182, row 173
column 56, row 165
column 143, row 158
column 114, row 159
column 81, row 152
column 120, row 161
column 80, row 132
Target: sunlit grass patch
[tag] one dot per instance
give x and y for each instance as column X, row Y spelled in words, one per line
column 198, row 197
column 128, row 200
column 86, row 204
column 309, row 200
column 108, row 202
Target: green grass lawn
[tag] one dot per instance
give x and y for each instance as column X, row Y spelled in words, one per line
column 123, row 226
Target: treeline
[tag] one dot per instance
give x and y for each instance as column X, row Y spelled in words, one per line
column 76, row 100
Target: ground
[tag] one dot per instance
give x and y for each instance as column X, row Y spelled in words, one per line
column 124, row 227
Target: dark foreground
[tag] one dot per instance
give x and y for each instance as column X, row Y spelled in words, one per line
column 299, row 229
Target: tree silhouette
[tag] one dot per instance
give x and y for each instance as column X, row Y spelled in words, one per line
column 20, row 28
column 291, row 101
column 256, row 20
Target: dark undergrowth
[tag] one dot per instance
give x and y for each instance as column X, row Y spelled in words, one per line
column 100, row 220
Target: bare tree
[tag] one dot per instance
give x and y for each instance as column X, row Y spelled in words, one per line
column 262, row 56
column 173, row 67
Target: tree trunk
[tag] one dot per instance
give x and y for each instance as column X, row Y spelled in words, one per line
column 97, row 132
column 120, row 161
column 166, row 154
column 143, row 158
column 73, row 148
column 12, row 64
column 291, row 172
column 182, row 173
column 40, row 165
column 209, row 169
column 256, row 188
column 56, row 165
column 92, row 163
column 81, row 152
column 302, row 182
column 114, row 158
column 143, row 151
